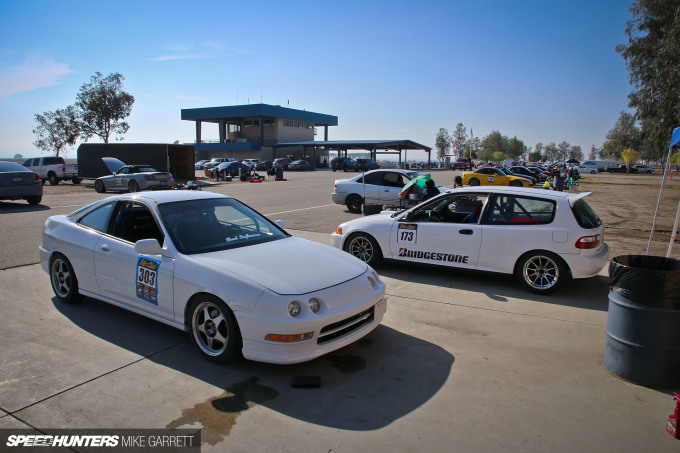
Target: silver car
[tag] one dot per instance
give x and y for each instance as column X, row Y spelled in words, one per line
column 132, row 178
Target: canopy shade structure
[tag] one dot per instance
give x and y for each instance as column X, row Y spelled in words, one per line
column 375, row 147
column 675, row 139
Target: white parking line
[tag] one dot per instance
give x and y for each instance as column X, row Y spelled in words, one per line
column 296, row 210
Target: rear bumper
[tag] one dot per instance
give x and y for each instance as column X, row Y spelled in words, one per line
column 338, row 198
column 589, row 265
column 20, row 192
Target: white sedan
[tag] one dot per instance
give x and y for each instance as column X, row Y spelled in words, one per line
column 380, row 186
column 210, row 265
column 543, row 237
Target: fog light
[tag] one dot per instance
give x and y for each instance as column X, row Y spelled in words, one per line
column 314, row 304
column 294, row 308
column 289, row 338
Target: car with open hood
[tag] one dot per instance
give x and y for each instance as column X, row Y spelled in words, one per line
column 132, row 178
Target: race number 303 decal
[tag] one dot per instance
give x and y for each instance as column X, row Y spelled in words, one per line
column 407, row 233
column 147, row 279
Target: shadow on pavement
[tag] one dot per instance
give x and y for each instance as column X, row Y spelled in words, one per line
column 364, row 386
column 591, row 293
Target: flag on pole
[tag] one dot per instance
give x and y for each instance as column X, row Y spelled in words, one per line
column 470, row 132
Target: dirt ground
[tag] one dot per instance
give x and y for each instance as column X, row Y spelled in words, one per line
column 625, row 203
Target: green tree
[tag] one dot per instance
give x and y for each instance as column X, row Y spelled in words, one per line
column 495, row 142
column 576, row 153
column 55, row 130
column 459, row 141
column 630, row 156
column 103, row 106
column 534, row 156
column 550, row 152
column 476, row 147
column 625, row 134
column 443, row 144
column 515, row 148
column 563, row 151
column 595, row 152
column 651, row 56
column 498, row 156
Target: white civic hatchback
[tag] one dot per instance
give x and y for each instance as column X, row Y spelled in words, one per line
column 208, row 264
column 543, row 237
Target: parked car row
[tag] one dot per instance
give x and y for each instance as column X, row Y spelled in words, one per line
column 347, row 164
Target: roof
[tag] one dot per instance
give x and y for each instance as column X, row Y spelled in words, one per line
column 360, row 144
column 215, row 114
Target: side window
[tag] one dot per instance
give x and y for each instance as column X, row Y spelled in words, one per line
column 375, row 179
column 133, row 221
column 123, row 171
column 27, row 162
column 99, row 218
column 394, row 180
column 519, row 210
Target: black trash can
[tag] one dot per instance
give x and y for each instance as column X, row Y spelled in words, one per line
column 643, row 324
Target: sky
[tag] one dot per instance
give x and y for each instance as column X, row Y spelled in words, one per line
column 543, row 71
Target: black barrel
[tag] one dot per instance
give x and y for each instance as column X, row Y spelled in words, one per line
column 643, row 324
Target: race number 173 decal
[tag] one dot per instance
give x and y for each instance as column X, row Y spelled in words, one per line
column 147, row 279
column 407, row 233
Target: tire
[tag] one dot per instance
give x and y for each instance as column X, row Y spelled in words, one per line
column 99, row 186
column 63, row 279
column 514, row 184
column 213, row 329
column 76, row 180
column 133, row 186
column 52, row 177
column 541, row 272
column 34, row 200
column 474, row 182
column 354, row 203
column 364, row 247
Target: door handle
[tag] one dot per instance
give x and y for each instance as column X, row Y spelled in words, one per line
column 468, row 232
column 105, row 247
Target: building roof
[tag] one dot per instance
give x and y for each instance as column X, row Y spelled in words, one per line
column 360, row 144
column 215, row 114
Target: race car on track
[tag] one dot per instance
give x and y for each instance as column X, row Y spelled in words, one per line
column 210, row 265
column 542, row 237
column 492, row 176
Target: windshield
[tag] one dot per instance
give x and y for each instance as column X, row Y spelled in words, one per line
column 202, row 226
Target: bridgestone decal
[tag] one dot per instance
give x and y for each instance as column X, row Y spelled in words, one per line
column 434, row 256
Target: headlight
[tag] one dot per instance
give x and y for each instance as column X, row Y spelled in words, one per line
column 314, row 304
column 294, row 308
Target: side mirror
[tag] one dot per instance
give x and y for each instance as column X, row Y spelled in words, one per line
column 279, row 223
column 148, row 247
column 409, row 216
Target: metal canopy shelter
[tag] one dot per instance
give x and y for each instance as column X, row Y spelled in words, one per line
column 372, row 146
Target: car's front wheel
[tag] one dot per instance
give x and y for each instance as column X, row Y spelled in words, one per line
column 52, row 177
column 516, row 183
column 364, row 247
column 541, row 272
column 474, row 182
column 354, row 203
column 133, row 186
column 63, row 278
column 99, row 186
column 213, row 329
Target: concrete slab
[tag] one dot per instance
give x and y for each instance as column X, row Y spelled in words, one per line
column 463, row 362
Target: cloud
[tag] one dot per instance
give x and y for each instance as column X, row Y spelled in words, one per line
column 32, row 73
column 206, row 49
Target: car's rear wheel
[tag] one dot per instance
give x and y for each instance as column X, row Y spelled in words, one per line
column 34, row 200
column 213, row 329
column 474, row 182
column 516, row 183
column 354, row 203
column 133, row 186
column 99, row 186
column 364, row 247
column 52, row 177
column 63, row 278
column 541, row 272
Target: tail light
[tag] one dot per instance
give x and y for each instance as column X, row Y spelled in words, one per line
column 36, row 179
column 589, row 242
column 150, row 177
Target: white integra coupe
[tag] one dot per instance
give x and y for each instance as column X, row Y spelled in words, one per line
column 543, row 237
column 208, row 264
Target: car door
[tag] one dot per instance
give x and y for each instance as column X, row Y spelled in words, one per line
column 370, row 184
column 119, row 180
column 436, row 234
column 141, row 282
column 392, row 185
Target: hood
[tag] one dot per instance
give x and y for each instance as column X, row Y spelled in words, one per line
column 113, row 164
column 288, row 266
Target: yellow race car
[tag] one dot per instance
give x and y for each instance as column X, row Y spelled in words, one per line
column 491, row 176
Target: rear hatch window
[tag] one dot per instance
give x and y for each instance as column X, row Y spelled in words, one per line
column 585, row 216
